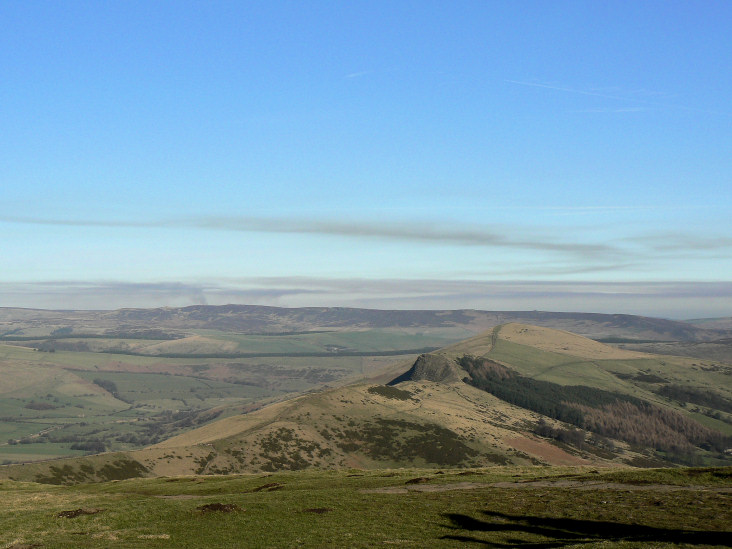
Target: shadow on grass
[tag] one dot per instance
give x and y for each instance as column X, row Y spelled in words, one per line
column 562, row 531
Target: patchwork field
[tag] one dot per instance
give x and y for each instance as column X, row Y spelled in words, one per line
column 66, row 396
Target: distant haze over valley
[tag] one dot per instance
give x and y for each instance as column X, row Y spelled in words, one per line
column 677, row 300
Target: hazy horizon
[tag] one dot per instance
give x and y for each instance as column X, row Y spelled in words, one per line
column 669, row 300
column 563, row 156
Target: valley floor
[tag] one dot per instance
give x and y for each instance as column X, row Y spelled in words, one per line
column 493, row 507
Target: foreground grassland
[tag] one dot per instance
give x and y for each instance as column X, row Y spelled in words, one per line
column 494, row 507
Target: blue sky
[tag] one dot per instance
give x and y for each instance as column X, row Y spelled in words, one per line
column 495, row 155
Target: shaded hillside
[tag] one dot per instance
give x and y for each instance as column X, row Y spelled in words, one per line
column 605, row 413
column 723, row 323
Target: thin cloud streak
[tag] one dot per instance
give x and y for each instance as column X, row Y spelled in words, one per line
column 421, row 232
column 358, row 74
column 612, row 111
column 412, row 233
column 571, row 90
column 677, row 242
column 616, row 97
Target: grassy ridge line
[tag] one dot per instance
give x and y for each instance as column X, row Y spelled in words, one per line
column 629, row 340
column 133, row 335
column 128, row 336
column 301, row 332
column 326, row 354
column 64, row 336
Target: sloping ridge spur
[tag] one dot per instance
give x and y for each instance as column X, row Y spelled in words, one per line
column 455, row 407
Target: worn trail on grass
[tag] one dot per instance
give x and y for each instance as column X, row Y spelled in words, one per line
column 570, row 484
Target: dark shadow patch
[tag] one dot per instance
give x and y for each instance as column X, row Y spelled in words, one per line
column 389, row 392
column 269, row 487
column 78, row 512
column 559, row 532
column 219, row 508
column 418, row 480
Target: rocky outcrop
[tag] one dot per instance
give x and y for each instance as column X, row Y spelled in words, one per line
column 432, row 367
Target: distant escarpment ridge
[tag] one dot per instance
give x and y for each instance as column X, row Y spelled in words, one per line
column 16, row 323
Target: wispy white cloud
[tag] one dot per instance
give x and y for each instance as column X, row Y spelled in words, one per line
column 612, row 111
column 632, row 97
column 566, row 89
column 358, row 74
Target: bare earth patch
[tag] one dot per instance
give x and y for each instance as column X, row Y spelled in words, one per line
column 599, row 485
column 563, row 483
column 545, row 450
column 426, row 488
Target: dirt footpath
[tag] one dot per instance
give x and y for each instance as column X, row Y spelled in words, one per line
column 571, row 484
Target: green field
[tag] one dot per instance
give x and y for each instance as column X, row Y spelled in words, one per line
column 495, row 507
column 211, row 343
column 359, row 341
column 174, row 391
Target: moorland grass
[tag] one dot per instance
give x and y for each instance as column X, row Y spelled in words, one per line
column 341, row 509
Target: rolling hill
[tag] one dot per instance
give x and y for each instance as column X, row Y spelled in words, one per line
column 169, row 322
column 517, row 394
